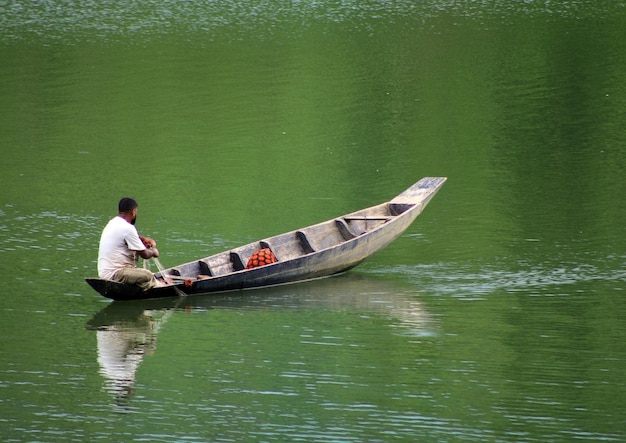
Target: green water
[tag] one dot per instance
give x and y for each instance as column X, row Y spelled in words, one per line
column 498, row 316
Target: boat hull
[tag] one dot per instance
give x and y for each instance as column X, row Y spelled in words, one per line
column 321, row 256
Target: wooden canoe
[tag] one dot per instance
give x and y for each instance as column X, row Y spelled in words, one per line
column 319, row 250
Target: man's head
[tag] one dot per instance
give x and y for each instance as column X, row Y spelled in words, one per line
column 127, row 207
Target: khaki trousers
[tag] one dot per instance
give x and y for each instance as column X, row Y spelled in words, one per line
column 136, row 276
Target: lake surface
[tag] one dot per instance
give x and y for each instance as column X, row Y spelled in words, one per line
column 498, row 316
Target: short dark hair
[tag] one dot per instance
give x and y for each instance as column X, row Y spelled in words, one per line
column 127, row 204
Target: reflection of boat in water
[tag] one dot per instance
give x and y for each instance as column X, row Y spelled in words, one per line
column 127, row 331
column 348, row 291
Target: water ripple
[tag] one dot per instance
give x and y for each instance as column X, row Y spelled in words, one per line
column 45, row 231
column 464, row 280
column 90, row 19
column 46, row 241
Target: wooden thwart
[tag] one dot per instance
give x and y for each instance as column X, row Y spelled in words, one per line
column 376, row 217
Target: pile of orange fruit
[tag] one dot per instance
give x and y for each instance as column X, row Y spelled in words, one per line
column 261, row 257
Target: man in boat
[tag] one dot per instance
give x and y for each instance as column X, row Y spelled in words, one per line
column 121, row 246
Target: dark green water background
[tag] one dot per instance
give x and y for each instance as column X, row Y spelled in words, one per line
column 498, row 316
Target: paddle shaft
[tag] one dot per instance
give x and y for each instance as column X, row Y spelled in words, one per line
column 159, row 266
column 167, row 278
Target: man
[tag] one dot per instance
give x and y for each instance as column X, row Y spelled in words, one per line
column 120, row 246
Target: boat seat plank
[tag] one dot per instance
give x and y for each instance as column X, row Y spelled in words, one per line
column 205, row 269
column 238, row 264
column 344, row 229
column 304, row 242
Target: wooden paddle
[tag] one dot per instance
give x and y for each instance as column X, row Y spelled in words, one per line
column 168, row 279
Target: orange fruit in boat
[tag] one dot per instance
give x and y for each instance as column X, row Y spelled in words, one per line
column 261, row 257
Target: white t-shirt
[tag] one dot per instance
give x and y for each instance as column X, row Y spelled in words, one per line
column 119, row 244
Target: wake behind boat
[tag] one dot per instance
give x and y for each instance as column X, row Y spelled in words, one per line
column 319, row 250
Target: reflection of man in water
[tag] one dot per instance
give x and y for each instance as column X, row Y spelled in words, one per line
column 121, row 348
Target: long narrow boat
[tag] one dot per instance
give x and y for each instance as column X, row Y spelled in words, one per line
column 319, row 250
